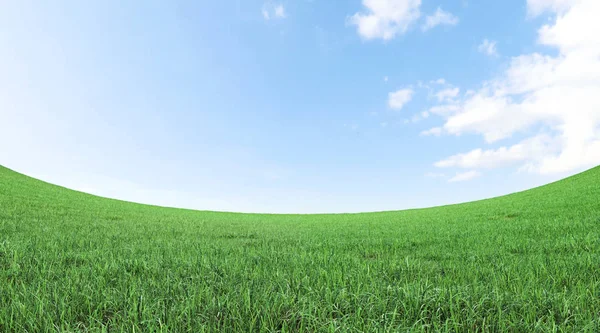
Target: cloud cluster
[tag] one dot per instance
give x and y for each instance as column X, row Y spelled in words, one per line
column 386, row 18
column 553, row 100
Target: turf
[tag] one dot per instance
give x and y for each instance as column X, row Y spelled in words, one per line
column 526, row 262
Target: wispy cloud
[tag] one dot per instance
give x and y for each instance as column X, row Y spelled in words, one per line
column 271, row 11
column 436, row 131
column 435, row 175
column 488, row 47
column 440, row 17
column 447, row 94
column 465, row 176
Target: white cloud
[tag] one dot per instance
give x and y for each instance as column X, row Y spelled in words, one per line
column 488, row 47
column 536, row 7
column 447, row 94
column 273, row 11
column 444, row 109
column 557, row 94
column 440, row 17
column 464, row 176
column 439, row 81
column 399, row 98
column 535, row 148
column 385, row 19
column 494, row 117
column 436, row 131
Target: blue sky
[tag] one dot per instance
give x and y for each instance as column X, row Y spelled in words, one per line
column 300, row 106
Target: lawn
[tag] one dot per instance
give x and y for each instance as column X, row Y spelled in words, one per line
column 526, row 262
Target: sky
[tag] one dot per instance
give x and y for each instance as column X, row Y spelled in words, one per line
column 305, row 106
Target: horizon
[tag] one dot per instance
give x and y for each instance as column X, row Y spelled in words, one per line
column 342, row 213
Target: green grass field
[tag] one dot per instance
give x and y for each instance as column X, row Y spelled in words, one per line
column 526, row 262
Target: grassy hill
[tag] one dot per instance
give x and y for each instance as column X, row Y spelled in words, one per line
column 525, row 262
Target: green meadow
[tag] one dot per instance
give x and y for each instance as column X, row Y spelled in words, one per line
column 525, row 262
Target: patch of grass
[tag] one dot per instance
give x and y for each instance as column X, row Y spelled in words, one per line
column 526, row 262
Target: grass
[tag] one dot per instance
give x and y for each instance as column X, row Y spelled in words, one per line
column 526, row 262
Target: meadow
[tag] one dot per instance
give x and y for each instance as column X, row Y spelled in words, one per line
column 525, row 262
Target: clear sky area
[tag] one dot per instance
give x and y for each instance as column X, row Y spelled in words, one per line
column 300, row 106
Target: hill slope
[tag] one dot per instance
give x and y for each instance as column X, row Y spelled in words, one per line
column 76, row 262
